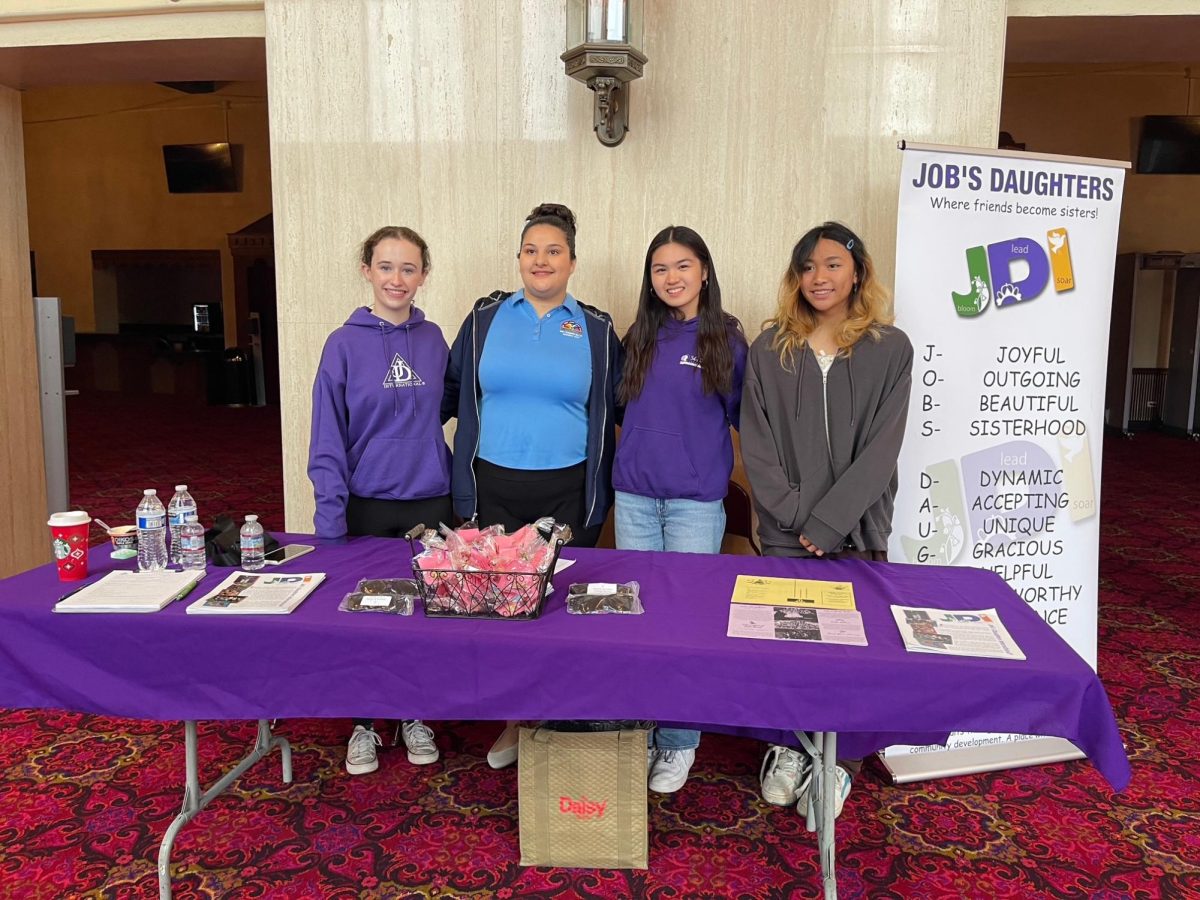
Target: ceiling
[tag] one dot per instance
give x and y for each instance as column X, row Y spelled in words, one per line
column 1103, row 39
column 1030, row 40
column 204, row 59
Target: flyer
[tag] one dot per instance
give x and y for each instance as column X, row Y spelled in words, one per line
column 244, row 593
column 800, row 593
column 781, row 623
column 955, row 632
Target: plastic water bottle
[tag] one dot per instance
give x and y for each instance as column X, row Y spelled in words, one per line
column 252, row 544
column 181, row 506
column 152, row 532
column 191, row 543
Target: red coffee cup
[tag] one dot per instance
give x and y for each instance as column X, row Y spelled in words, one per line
column 69, row 531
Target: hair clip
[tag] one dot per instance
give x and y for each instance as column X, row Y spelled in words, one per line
column 850, row 244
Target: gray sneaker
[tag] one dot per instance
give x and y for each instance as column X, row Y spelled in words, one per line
column 361, row 757
column 785, row 773
column 418, row 738
column 841, row 790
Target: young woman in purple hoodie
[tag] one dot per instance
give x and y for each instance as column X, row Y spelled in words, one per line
column 378, row 461
column 682, row 389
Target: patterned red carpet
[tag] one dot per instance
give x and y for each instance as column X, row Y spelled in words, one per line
column 84, row 800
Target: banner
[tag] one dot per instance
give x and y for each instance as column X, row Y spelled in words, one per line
column 1004, row 276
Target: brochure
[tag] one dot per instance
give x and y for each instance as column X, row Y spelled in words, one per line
column 955, row 632
column 798, row 593
column 126, row 591
column 247, row 593
column 781, row 623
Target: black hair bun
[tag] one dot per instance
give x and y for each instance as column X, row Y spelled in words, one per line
column 553, row 211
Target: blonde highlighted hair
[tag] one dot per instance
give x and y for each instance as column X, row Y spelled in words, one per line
column 795, row 319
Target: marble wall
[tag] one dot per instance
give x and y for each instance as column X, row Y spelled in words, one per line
column 754, row 121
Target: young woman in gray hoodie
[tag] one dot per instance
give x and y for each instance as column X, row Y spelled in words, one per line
column 824, row 407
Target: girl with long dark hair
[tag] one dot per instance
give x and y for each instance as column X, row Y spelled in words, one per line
column 682, row 386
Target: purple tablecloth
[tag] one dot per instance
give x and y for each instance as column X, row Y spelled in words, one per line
column 674, row 663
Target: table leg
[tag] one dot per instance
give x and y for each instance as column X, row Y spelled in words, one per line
column 819, row 817
column 826, row 839
column 194, row 799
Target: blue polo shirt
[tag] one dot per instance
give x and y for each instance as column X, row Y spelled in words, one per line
column 534, row 378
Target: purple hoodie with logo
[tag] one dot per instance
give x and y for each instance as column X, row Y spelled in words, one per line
column 376, row 418
column 675, row 442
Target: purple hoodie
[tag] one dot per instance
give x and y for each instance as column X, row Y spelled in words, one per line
column 675, row 442
column 376, row 420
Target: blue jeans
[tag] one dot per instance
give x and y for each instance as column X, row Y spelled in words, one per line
column 682, row 526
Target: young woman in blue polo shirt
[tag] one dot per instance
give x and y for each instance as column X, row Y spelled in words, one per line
column 533, row 380
column 682, row 390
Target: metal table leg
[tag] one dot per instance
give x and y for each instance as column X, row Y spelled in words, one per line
column 195, row 800
column 819, row 817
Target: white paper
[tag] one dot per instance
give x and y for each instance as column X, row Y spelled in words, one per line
column 781, row 623
column 955, row 632
column 126, row 591
column 373, row 601
column 246, row 593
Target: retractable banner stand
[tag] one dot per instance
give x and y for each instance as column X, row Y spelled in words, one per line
column 1004, row 275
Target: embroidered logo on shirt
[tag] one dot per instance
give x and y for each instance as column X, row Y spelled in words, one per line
column 400, row 374
column 689, row 360
column 571, row 329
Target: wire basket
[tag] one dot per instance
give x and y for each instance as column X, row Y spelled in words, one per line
column 469, row 594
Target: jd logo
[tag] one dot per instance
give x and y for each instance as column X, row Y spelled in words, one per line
column 990, row 270
column 400, row 374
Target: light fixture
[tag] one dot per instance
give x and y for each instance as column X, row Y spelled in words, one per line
column 604, row 41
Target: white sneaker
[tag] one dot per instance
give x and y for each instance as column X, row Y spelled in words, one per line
column 785, row 772
column 361, row 757
column 841, row 781
column 670, row 770
column 418, row 738
column 504, row 752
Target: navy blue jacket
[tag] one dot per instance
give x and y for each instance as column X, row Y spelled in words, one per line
column 462, row 400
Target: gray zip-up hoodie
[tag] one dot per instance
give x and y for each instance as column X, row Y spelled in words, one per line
column 837, row 491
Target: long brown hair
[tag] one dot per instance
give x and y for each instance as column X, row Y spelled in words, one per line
column 796, row 320
column 716, row 327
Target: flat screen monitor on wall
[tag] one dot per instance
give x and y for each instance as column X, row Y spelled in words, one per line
column 1170, row 145
column 201, row 168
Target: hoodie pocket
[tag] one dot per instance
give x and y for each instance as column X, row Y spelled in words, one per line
column 400, row 469
column 655, row 464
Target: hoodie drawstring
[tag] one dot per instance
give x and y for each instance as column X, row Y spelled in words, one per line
column 800, row 380
column 408, row 355
column 850, row 373
column 387, row 364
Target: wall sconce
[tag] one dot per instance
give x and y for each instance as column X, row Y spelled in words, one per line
column 604, row 40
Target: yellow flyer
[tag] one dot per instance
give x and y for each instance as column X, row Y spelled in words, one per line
column 794, row 592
